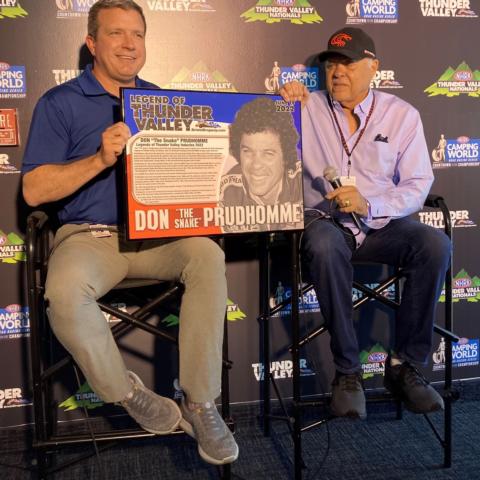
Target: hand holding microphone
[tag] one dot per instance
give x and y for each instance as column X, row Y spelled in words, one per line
column 347, row 197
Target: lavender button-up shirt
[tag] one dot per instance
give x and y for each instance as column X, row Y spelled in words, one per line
column 390, row 163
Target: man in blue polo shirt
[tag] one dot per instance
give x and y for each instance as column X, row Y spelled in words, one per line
column 374, row 143
column 71, row 159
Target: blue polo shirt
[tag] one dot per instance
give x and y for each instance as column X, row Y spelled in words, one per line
column 67, row 125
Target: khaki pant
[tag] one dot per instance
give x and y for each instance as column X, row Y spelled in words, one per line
column 83, row 268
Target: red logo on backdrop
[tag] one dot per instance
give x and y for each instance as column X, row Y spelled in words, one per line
column 340, row 40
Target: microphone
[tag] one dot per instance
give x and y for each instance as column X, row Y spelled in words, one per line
column 330, row 174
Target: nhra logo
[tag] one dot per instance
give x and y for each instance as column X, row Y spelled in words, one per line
column 12, row 248
column 446, row 8
column 465, row 353
column 85, row 397
column 5, row 166
column 454, row 82
column 279, row 76
column 12, row 398
column 179, row 6
column 62, row 76
column 459, row 219
column 11, row 9
column 373, row 361
column 465, row 287
column 282, row 369
column 73, row 8
column 371, row 11
column 12, row 81
column 460, row 152
column 14, row 322
column 200, row 78
column 273, row 11
column 385, row 79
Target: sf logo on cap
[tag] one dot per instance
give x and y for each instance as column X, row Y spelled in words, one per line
column 340, row 39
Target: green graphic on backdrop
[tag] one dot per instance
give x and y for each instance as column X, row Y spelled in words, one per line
column 12, row 11
column 373, row 361
column 272, row 11
column 12, row 248
column 465, row 287
column 200, row 78
column 84, row 397
column 233, row 314
column 453, row 82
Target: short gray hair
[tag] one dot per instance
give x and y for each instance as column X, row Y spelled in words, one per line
column 106, row 5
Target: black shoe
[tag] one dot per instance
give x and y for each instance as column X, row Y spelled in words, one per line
column 407, row 384
column 348, row 398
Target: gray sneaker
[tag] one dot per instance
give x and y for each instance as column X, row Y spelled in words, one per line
column 152, row 412
column 216, row 444
column 348, row 398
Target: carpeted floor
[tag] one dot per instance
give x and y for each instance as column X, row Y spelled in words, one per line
column 376, row 449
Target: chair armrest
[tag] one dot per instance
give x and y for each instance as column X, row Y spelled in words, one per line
column 434, row 201
column 37, row 219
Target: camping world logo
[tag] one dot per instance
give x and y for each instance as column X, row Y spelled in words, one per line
column 12, row 248
column 14, row 322
column 273, row 11
column 200, row 77
column 12, row 81
column 180, row 6
column 73, row 8
column 446, row 8
column 279, row 76
column 454, row 82
column 465, row 353
column 371, row 11
column 456, row 152
column 11, row 9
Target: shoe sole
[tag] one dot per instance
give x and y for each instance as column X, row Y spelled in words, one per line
column 188, row 429
column 169, row 400
column 350, row 414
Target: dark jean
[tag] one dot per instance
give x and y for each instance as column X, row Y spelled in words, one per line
column 421, row 251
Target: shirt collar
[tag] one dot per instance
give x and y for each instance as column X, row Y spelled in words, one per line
column 92, row 87
column 363, row 106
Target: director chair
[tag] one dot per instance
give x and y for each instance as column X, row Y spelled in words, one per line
column 147, row 295
column 377, row 293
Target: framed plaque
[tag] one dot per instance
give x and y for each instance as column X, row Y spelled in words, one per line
column 9, row 136
column 204, row 163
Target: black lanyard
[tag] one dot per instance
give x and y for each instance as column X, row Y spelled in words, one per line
column 342, row 136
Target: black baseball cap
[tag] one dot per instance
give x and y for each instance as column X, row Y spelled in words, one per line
column 351, row 42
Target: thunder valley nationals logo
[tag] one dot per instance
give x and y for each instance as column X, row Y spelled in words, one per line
column 273, row 11
column 456, row 81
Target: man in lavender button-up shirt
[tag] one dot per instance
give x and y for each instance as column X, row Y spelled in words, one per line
column 373, row 146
